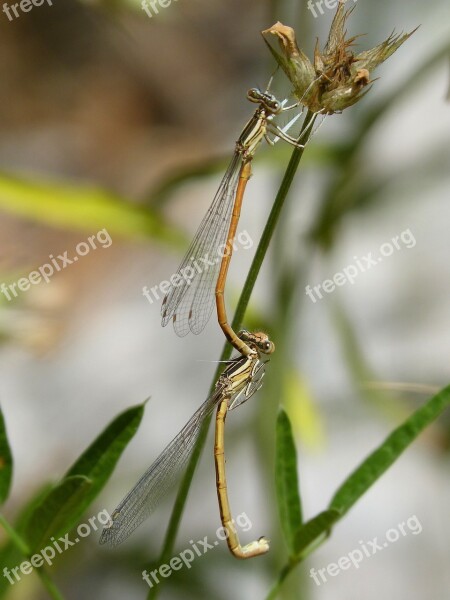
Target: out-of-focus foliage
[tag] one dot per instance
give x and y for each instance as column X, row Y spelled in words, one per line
column 55, row 510
column 83, row 208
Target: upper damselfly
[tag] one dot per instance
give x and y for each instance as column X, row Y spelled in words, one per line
column 190, row 299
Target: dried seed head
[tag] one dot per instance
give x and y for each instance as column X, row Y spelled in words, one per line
column 338, row 77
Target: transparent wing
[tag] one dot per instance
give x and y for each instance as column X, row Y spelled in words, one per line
column 190, row 299
column 253, row 384
column 140, row 502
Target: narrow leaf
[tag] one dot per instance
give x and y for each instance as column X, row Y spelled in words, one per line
column 57, row 512
column 286, row 480
column 381, row 459
column 99, row 460
column 314, row 529
column 6, row 461
column 83, row 208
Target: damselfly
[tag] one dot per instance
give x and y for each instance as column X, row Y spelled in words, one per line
column 238, row 382
column 190, row 299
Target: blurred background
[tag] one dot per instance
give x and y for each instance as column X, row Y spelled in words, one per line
column 115, row 120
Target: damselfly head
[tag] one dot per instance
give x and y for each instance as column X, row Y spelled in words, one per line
column 258, row 340
column 266, row 100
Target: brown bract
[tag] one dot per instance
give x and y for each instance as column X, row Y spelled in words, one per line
column 337, row 78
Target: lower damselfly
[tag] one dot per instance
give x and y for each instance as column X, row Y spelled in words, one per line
column 241, row 378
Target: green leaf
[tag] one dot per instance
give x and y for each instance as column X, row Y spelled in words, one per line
column 395, row 444
column 6, row 461
column 57, row 512
column 315, row 529
column 286, row 479
column 99, row 460
column 83, row 208
column 29, row 508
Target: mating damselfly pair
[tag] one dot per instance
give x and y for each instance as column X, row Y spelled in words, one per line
column 189, row 305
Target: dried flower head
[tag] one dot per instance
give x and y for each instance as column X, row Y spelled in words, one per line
column 338, row 77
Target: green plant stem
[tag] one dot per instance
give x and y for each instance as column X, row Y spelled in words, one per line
column 290, row 566
column 23, row 548
column 273, row 594
column 180, row 501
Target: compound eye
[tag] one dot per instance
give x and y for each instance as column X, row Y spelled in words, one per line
column 254, row 95
column 269, row 347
